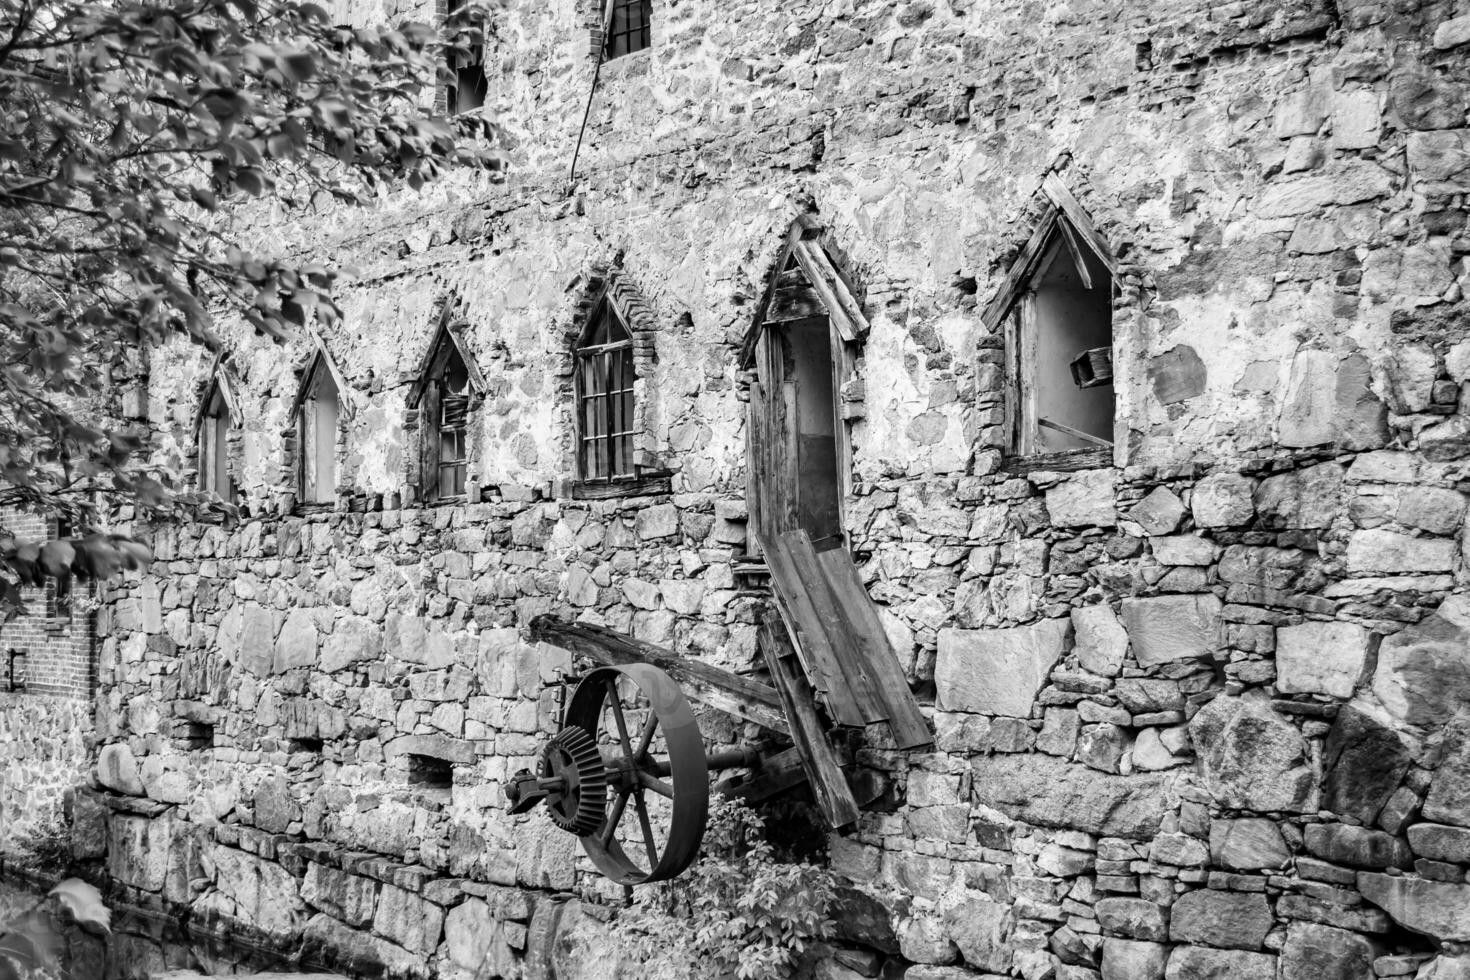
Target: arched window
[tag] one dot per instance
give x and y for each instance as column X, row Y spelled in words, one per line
column 318, row 408
column 218, row 417
column 605, row 406
column 448, row 389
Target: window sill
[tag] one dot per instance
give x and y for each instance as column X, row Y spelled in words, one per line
column 642, row 486
column 1066, row 460
column 306, row 510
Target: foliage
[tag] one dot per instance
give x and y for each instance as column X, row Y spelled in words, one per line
column 47, row 845
column 38, row 943
column 738, row 912
column 131, row 131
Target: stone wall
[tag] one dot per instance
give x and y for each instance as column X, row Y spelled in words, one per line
column 1202, row 713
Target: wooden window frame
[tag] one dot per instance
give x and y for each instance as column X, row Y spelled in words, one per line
column 212, row 443
column 451, row 93
column 309, row 437
column 597, row 452
column 621, row 41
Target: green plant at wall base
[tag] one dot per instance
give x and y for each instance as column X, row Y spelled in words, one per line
column 47, row 846
column 738, row 912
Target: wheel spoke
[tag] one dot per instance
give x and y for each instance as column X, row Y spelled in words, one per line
column 652, row 782
column 619, row 805
column 646, row 738
column 617, row 712
column 647, row 828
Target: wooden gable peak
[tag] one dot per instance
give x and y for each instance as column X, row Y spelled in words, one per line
column 448, row 337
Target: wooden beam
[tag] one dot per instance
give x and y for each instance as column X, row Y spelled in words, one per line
column 847, row 316
column 823, row 770
column 719, row 689
column 1075, row 433
column 1016, row 279
column 1061, row 198
column 1079, row 261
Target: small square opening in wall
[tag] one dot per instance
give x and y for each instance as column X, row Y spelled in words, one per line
column 311, row 745
column 194, row 736
column 427, row 772
column 15, row 671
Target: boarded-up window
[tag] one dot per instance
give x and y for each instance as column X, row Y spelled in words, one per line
column 317, row 434
column 605, row 398
column 630, row 28
column 214, row 447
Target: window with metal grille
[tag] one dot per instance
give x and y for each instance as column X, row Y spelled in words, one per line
column 605, row 398
column 630, row 28
column 470, row 85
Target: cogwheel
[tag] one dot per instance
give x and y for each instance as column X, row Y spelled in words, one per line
column 572, row 755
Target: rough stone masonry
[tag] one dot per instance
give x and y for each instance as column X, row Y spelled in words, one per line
column 1202, row 705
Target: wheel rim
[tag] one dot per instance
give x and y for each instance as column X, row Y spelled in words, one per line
column 635, row 770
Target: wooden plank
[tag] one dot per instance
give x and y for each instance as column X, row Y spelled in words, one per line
column 719, row 689
column 808, row 630
column 842, row 634
column 1062, row 199
column 755, row 463
column 1074, row 433
column 1064, row 461
column 1017, row 278
column 795, row 303
column 758, row 318
column 847, row 316
column 856, row 608
column 1079, row 261
column 823, row 770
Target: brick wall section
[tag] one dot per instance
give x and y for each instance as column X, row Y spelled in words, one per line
column 56, row 638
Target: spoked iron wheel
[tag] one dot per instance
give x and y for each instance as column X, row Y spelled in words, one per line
column 656, row 771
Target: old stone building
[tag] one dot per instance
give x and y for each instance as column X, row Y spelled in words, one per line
column 1124, row 356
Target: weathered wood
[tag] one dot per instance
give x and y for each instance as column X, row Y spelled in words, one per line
column 719, row 689
column 643, row 486
column 834, row 620
column 775, row 773
column 1079, row 261
column 847, row 316
column 1065, row 461
column 1061, row 198
column 795, row 303
column 812, row 642
column 823, row 770
column 1017, row 278
column 878, row 658
column 1074, row 433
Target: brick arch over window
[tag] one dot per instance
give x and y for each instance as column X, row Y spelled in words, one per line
column 218, row 433
column 1051, row 340
column 611, row 350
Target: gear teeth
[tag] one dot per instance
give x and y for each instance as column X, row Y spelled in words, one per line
column 582, row 811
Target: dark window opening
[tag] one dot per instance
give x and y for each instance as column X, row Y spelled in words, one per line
column 1060, row 349
column 470, row 86
column 63, row 581
column 15, row 671
column 454, row 407
column 316, row 432
column 214, row 448
column 605, row 407
column 630, row 29
column 430, row 773
column 312, row 745
column 194, row 736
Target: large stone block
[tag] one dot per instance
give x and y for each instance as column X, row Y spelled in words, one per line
column 1305, row 498
column 1358, row 847
column 117, row 769
column 1230, row 920
column 344, row 896
column 1251, row 758
column 1052, row 792
column 1441, row 842
column 1202, row 963
column 1381, row 552
column 1100, row 642
column 257, row 639
column 982, row 931
column 1441, row 158
column 266, row 896
column 1439, row 909
column 1248, row 844
column 1134, row 918
column 1158, row 513
column 297, row 643
column 997, row 672
column 1087, row 499
column 1365, row 759
column 1127, row 959
column 1448, row 800
column 1320, row 658
column 1318, row 952
column 137, row 851
column 475, row 941
column 353, row 640
column 1329, row 399
column 1223, row 500
column 412, row 922
column 1423, row 674
column 1174, row 627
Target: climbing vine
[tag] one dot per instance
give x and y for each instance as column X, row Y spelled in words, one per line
column 738, row 912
